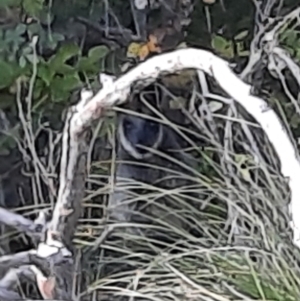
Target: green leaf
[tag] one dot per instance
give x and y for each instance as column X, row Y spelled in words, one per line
column 223, row 46
column 22, row 61
column 215, row 106
column 97, row 53
column 290, row 49
column 86, row 65
column 57, row 37
column 34, row 29
column 294, row 121
column 289, row 37
column 58, row 95
column 20, row 29
column 46, row 74
column 39, row 89
column 14, row 37
column 33, row 7
column 71, row 82
column 241, row 36
column 52, row 41
column 219, row 43
column 240, row 49
column 65, row 69
column 6, row 74
column 64, row 53
column 62, row 86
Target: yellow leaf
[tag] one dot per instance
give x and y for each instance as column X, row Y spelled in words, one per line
column 143, row 52
column 152, row 44
column 133, row 50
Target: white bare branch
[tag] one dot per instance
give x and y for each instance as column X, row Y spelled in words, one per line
column 116, row 93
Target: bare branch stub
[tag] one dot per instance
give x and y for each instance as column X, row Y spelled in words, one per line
column 16, row 260
column 52, row 264
column 21, row 223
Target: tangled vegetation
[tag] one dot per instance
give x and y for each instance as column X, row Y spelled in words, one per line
column 239, row 246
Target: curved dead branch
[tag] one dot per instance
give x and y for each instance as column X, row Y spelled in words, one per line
column 52, row 264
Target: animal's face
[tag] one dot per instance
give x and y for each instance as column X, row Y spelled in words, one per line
column 136, row 132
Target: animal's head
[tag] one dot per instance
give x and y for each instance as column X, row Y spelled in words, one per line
column 136, row 134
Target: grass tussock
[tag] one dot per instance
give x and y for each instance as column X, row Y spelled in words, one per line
column 223, row 236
